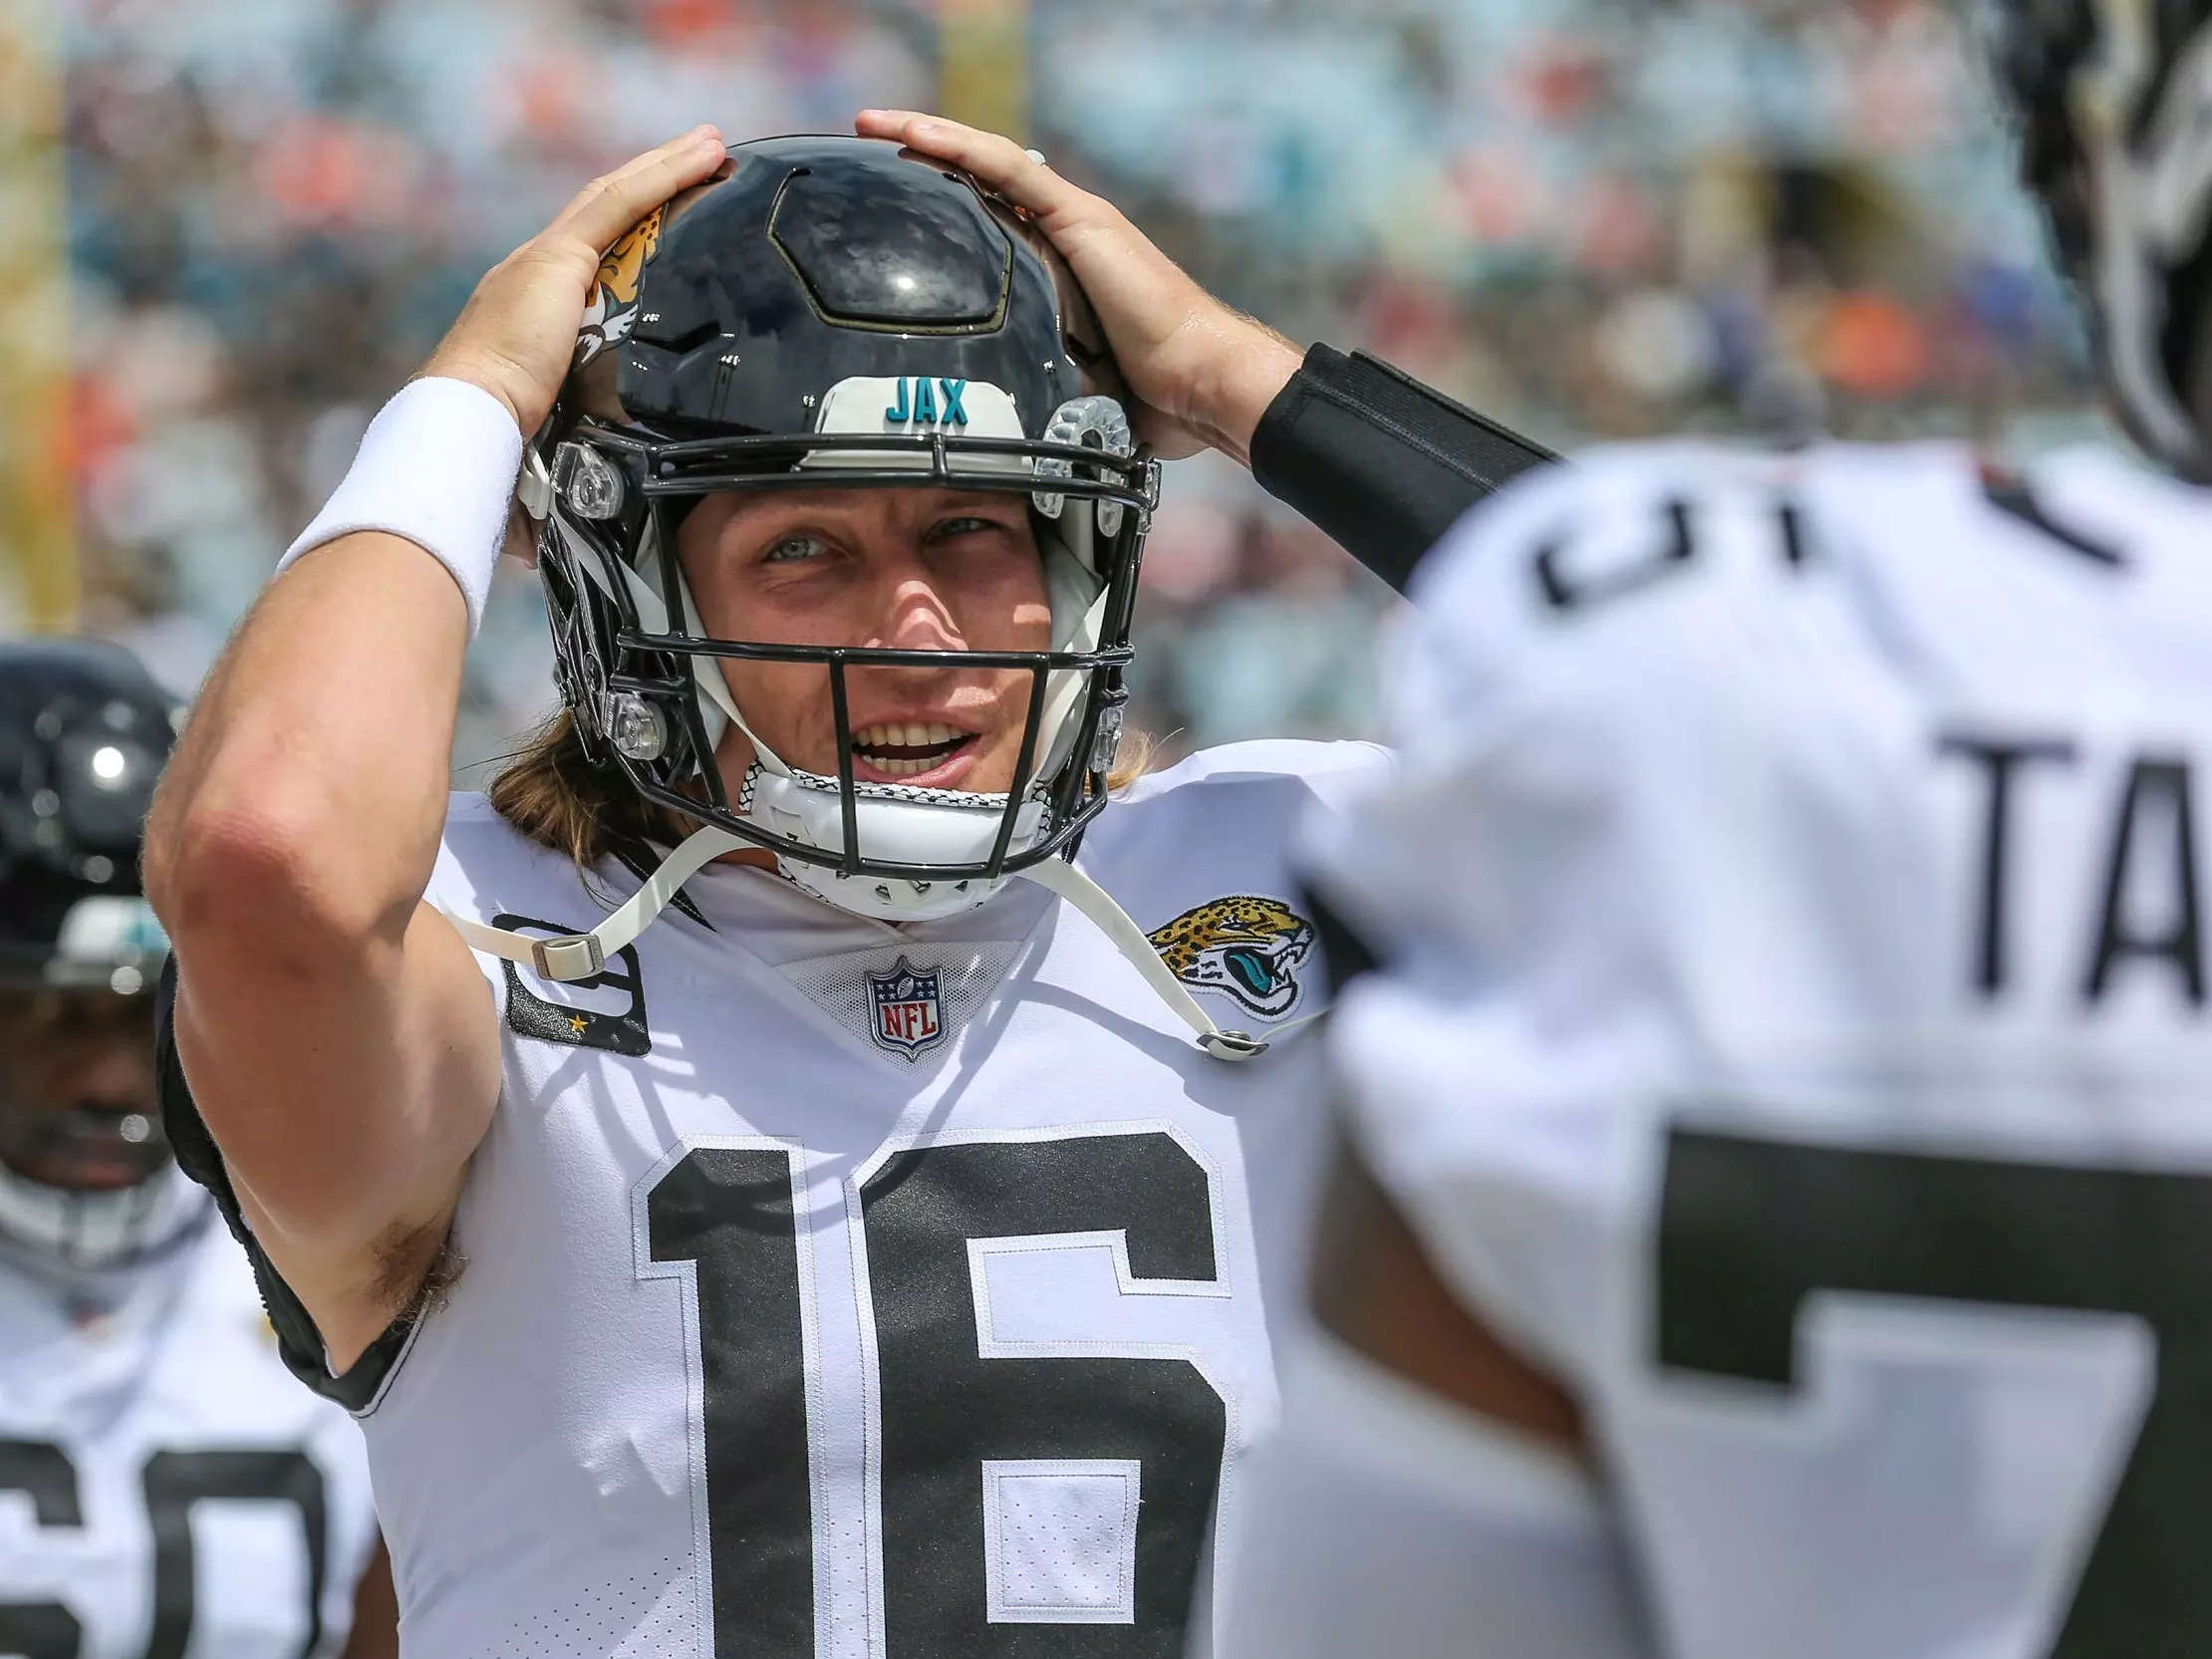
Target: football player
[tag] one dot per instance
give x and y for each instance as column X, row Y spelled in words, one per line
column 1783, row 1160
column 164, row 1487
column 806, row 1165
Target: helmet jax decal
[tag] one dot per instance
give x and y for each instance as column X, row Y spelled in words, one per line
column 920, row 406
column 908, row 1019
column 1247, row 949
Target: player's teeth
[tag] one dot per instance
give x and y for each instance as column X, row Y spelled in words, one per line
column 906, row 735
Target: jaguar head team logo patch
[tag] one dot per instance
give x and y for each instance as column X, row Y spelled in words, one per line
column 1245, row 947
column 907, row 1017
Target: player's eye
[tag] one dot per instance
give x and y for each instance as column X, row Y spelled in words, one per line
column 795, row 548
column 967, row 524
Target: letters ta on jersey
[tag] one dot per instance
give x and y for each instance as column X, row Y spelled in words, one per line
column 905, row 1014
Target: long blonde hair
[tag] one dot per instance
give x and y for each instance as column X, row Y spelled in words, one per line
column 550, row 791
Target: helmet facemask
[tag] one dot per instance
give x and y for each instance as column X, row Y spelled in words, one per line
column 645, row 682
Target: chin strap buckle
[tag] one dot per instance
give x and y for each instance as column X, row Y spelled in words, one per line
column 533, row 487
column 570, row 958
column 1232, row 1045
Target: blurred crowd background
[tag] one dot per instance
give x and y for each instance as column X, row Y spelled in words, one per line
column 1590, row 219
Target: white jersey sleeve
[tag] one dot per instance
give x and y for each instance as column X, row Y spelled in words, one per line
column 1792, row 1032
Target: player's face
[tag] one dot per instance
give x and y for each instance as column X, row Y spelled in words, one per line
column 909, row 569
column 77, row 1100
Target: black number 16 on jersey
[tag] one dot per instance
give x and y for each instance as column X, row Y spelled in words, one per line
column 948, row 1414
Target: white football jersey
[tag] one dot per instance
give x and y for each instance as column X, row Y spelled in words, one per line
column 836, row 1290
column 1792, row 1030
column 166, row 1489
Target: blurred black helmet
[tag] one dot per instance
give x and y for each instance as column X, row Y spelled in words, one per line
column 829, row 313
column 2114, row 101
column 86, row 1184
column 84, row 733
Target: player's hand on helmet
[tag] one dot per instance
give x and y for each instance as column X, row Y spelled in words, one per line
column 517, row 335
column 1203, row 372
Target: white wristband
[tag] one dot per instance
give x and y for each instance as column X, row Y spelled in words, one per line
column 437, row 466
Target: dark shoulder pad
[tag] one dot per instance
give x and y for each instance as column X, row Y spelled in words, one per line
column 300, row 1345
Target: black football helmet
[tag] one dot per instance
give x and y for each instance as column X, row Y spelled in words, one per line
column 828, row 311
column 2114, row 101
column 84, row 733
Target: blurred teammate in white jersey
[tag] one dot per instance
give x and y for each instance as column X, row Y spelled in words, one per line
column 166, row 1488
column 1781, row 1206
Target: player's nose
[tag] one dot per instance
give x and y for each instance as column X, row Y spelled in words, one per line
column 115, row 1075
column 914, row 613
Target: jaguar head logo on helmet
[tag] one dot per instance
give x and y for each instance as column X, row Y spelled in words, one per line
column 612, row 305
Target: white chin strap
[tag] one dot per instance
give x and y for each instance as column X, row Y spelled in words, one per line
column 71, row 1233
column 580, row 955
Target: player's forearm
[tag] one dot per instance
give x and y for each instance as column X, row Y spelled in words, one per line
column 376, row 1629
column 1247, row 374
column 307, row 794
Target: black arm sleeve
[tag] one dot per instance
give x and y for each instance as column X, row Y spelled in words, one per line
column 1380, row 462
column 298, row 1341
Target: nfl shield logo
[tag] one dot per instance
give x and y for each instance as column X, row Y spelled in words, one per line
column 905, row 1008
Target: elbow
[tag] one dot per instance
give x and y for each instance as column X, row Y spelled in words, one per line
column 221, row 870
